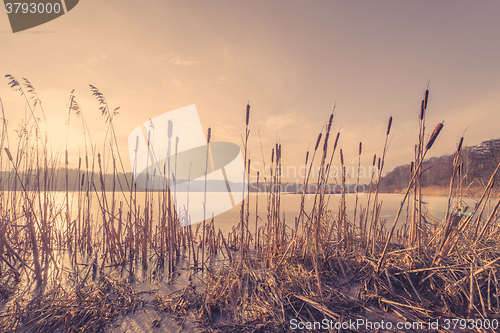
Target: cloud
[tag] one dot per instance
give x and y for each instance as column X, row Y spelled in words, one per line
column 226, row 132
column 176, row 82
column 278, row 122
column 177, row 60
column 220, row 79
column 95, row 59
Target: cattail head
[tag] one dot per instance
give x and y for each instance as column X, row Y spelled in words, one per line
column 170, row 128
column 248, row 113
column 360, row 148
column 307, row 156
column 411, row 167
column 426, row 98
column 325, row 145
column 378, row 164
column 374, row 159
column 460, row 144
column 341, row 157
column 422, row 109
column 248, row 166
column 8, row 153
column 317, row 141
column 389, row 125
column 272, row 156
column 434, row 135
column 329, row 123
column 209, row 134
column 336, row 141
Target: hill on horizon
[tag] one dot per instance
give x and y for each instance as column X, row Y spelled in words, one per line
column 477, row 164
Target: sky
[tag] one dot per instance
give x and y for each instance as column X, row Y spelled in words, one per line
column 293, row 61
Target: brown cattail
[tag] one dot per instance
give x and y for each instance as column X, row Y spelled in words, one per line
column 434, row 135
column 341, row 157
column 170, row 128
column 248, row 166
column 336, row 141
column 248, row 113
column 307, row 156
column 209, row 134
column 272, row 156
column 389, row 125
column 8, row 153
column 317, row 142
column 329, row 123
column 378, row 164
column 411, row 167
column 325, row 145
column 360, row 148
column 374, row 159
column 422, row 108
column 426, row 98
column 460, row 144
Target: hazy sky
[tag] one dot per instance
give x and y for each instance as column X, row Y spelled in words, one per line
column 293, row 60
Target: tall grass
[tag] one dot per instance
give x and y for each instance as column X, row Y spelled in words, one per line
column 285, row 270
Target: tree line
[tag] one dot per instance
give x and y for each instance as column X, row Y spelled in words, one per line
column 477, row 164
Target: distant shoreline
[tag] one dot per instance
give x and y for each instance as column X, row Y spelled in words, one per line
column 475, row 191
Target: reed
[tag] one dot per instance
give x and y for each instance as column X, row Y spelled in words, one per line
column 325, row 264
column 375, row 206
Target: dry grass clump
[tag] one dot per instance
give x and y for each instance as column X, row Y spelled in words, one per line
column 244, row 299
column 83, row 309
column 323, row 264
column 329, row 267
column 5, row 290
column 180, row 301
column 240, row 295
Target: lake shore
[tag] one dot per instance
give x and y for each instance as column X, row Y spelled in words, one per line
column 473, row 191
